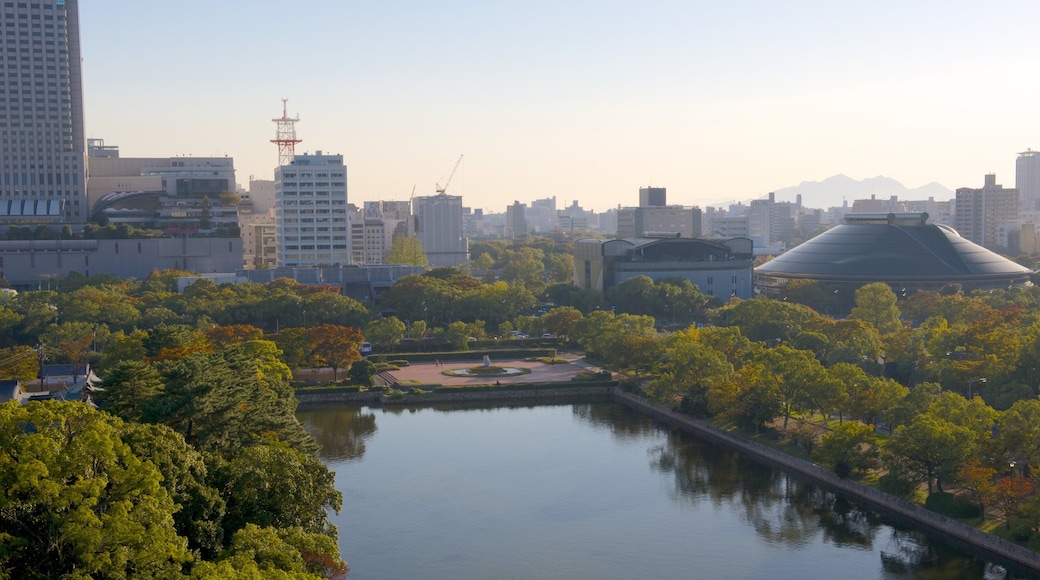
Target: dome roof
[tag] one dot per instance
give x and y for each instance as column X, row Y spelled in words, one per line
column 897, row 249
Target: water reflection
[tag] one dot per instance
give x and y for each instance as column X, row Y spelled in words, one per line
column 341, row 431
column 784, row 510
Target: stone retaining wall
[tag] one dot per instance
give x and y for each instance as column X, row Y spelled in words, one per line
column 932, row 523
column 446, row 396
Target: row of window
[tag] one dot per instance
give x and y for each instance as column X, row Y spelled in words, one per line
column 310, row 175
column 313, row 247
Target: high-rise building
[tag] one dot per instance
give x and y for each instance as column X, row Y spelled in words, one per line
column 516, row 223
column 438, row 224
column 311, row 220
column 1027, row 179
column 983, row 215
column 42, row 141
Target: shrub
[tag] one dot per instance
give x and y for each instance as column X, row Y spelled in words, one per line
column 953, row 506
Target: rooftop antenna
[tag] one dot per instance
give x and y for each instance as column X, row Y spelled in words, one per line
column 285, row 137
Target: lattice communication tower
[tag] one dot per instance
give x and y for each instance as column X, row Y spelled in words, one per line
column 286, row 136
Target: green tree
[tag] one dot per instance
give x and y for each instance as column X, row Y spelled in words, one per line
column 273, row 485
column 224, row 401
column 200, row 509
column 131, row 390
column 876, row 304
column 851, row 448
column 407, row 250
column 933, row 448
column 75, row 501
column 361, row 373
column 19, row 362
column 385, row 333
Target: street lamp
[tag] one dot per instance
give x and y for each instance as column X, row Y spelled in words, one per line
column 972, row 382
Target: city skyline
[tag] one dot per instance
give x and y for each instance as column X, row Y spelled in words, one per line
column 580, row 101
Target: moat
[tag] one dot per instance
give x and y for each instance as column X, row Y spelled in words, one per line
column 591, row 490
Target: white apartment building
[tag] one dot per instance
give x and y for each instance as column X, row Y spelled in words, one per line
column 311, row 219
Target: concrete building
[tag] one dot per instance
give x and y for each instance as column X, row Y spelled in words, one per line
column 674, row 220
column 259, row 237
column 473, row 222
column 541, row 217
column 1027, row 180
column 983, row 215
column 516, row 223
column 438, row 224
column 262, row 194
column 653, row 196
column 43, row 162
column 311, row 220
column 718, row 267
column 30, row 264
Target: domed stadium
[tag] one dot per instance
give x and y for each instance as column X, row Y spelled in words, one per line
column 901, row 250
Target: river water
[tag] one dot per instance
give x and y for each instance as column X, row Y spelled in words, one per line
column 590, row 491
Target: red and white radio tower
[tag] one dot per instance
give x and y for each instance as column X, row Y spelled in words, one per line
column 286, row 136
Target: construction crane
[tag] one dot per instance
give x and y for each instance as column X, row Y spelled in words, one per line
column 450, row 175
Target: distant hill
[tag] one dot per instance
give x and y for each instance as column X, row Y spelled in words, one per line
column 832, row 191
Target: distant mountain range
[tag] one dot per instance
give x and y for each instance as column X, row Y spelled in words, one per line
column 834, row 190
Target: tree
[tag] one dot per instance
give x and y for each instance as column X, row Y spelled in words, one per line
column 131, row 390
column 224, row 401
column 791, row 372
column 75, row 501
column 850, row 448
column 933, row 447
column 184, row 476
column 335, row 346
column 876, row 304
column 560, row 321
column 1009, row 495
column 978, row 485
column 293, row 343
column 361, row 373
column 224, row 336
column 273, row 485
column 385, row 333
column 19, row 362
column 407, row 250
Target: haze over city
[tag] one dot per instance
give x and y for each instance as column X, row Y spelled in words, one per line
column 581, row 100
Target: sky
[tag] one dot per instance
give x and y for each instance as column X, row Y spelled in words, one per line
column 580, row 100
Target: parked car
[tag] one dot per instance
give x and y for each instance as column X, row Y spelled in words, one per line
column 366, row 348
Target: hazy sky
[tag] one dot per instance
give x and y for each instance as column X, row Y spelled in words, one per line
column 578, row 99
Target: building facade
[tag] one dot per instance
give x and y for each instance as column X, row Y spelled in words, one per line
column 673, row 220
column 1027, row 180
column 983, row 215
column 438, row 224
column 34, row 263
column 311, row 216
column 718, row 267
column 43, row 171
column 516, row 221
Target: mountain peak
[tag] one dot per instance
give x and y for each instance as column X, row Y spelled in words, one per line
column 834, row 190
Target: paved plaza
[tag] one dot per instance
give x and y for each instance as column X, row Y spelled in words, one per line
column 430, row 372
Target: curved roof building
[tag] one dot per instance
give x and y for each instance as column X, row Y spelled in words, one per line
column 901, row 250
